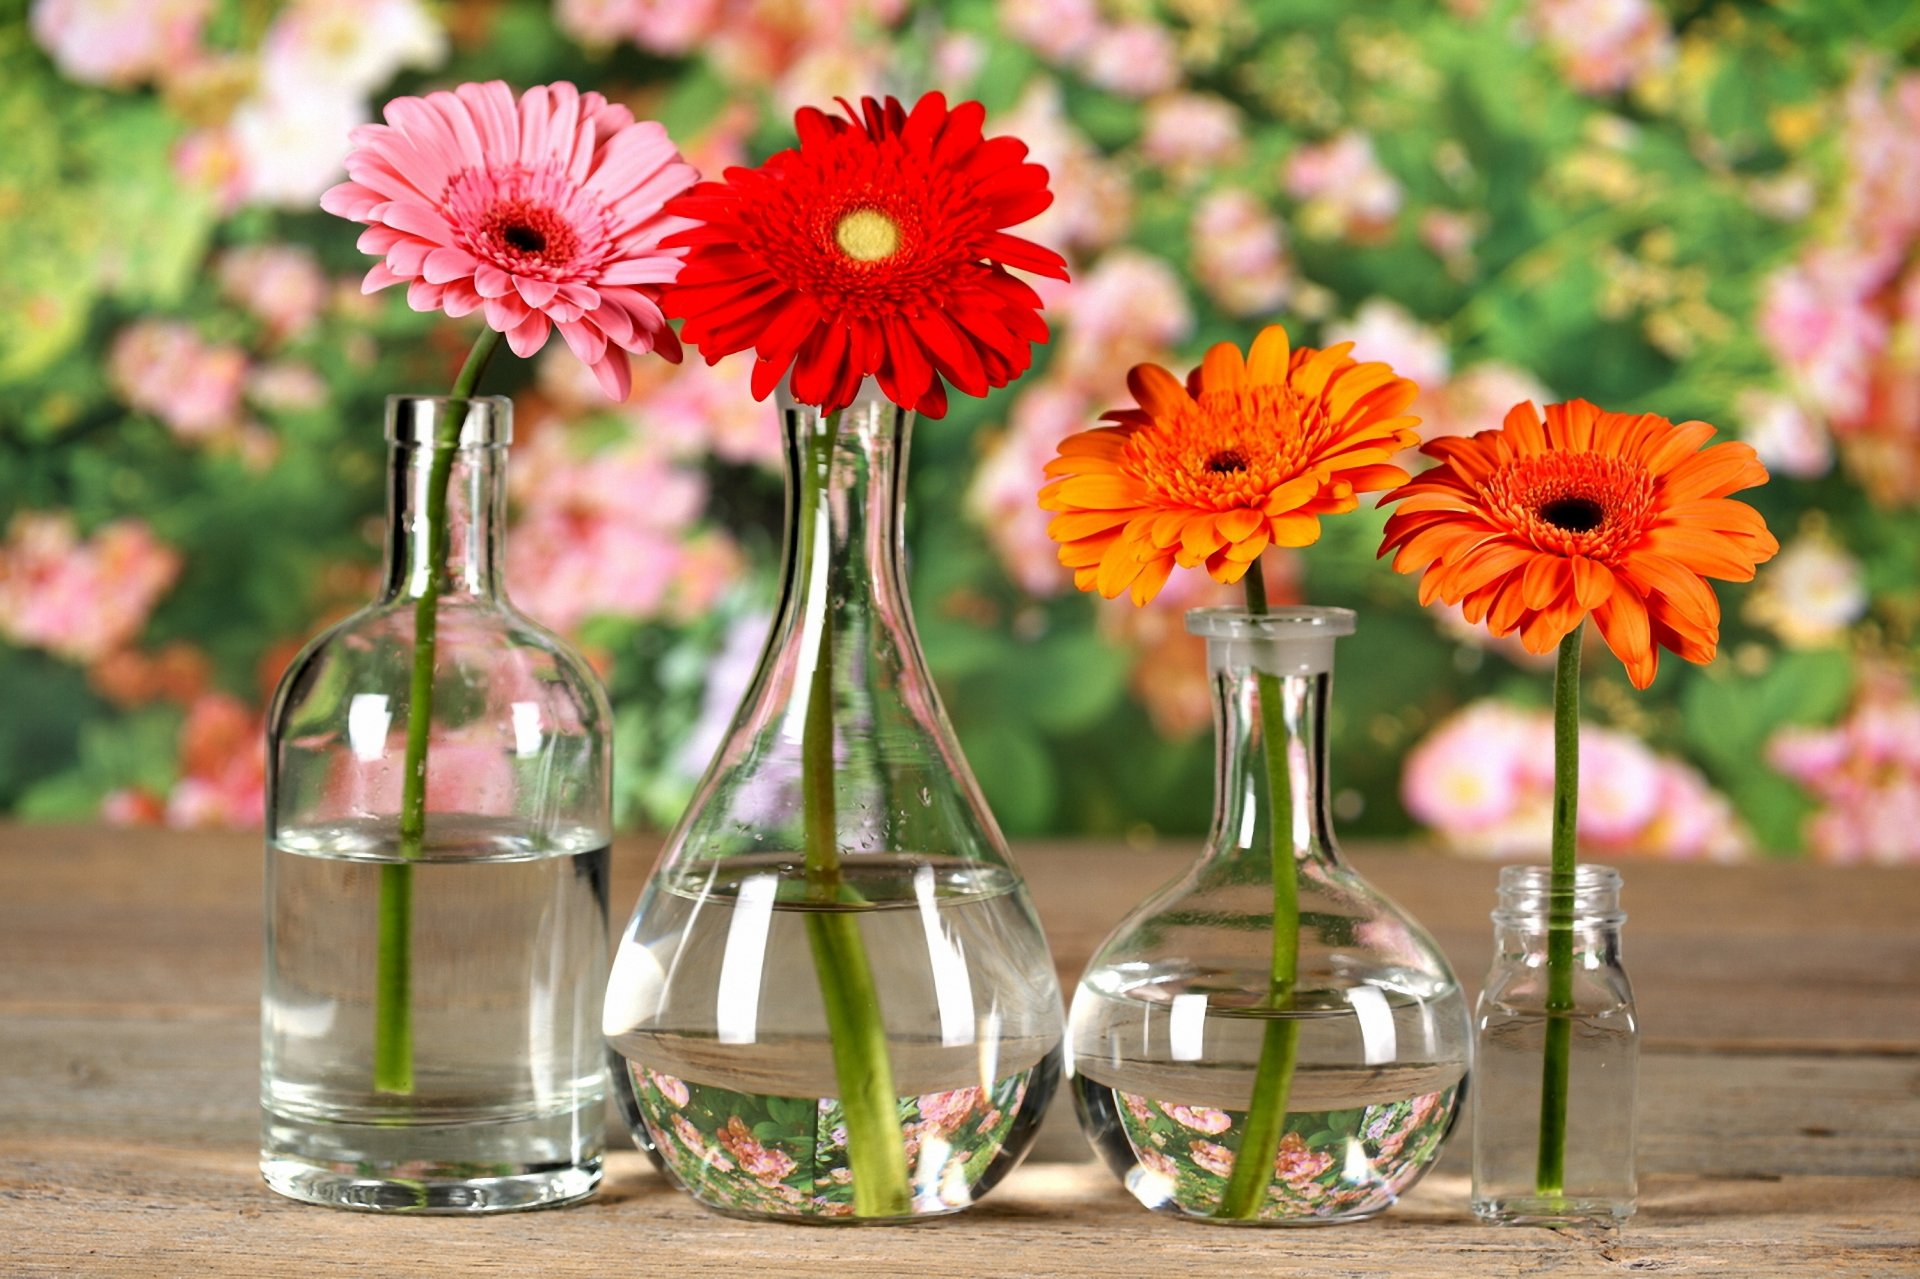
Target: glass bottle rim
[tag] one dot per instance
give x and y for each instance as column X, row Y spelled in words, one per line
column 1287, row 622
column 486, row 421
column 1526, row 894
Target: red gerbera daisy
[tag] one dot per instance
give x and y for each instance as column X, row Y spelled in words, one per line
column 875, row 247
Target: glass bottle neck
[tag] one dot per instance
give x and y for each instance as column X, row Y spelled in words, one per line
column 462, row 557
column 845, row 556
column 1247, row 806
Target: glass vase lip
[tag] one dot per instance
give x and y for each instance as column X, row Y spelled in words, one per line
column 1526, row 895
column 869, row 395
column 1287, row 622
column 486, row 421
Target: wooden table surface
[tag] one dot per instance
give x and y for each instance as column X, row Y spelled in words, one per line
column 1780, row 1092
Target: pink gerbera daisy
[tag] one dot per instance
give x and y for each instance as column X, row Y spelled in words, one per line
column 543, row 213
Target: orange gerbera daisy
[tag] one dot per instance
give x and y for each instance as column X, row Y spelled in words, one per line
column 1250, row 452
column 1536, row 525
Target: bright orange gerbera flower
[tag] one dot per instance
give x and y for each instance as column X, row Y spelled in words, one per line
column 1251, row 452
column 1536, row 525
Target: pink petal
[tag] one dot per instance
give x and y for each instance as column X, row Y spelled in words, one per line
column 491, row 281
column 504, row 313
column 422, row 296
column 528, row 336
column 585, row 341
column 460, row 299
column 379, row 277
column 536, row 293
column 415, row 219
column 445, row 265
column 654, row 269
column 615, row 374
column 407, row 256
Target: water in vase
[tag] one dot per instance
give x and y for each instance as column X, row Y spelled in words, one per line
column 1164, row 1070
column 508, row 955
column 715, row 1006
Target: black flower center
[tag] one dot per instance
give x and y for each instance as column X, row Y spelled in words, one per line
column 1574, row 514
column 524, row 238
column 1227, row 462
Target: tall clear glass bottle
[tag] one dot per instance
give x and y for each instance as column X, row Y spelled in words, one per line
column 834, row 1000
column 429, row 1037
column 1597, row 1181
column 1181, row 1024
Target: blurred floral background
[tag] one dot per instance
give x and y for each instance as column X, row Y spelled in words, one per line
column 1701, row 209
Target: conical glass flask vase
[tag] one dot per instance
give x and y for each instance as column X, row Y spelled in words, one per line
column 1235, row 1066
column 834, row 1000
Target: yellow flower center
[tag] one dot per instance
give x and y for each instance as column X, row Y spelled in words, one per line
column 867, row 235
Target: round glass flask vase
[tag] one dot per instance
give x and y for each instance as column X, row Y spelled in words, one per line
column 1268, row 1040
column 834, row 1000
column 436, row 904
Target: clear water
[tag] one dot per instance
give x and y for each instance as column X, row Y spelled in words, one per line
column 1164, row 1070
column 509, row 953
column 1600, row 1179
column 715, row 1005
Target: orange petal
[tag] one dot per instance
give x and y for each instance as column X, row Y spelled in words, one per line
column 1524, row 430
column 1623, row 624
column 1294, row 529
column 1267, row 361
column 1592, row 581
column 1153, row 576
column 1072, row 525
column 1223, row 368
column 1158, row 391
column 1706, row 552
column 1546, row 580
column 1723, row 469
column 1095, row 493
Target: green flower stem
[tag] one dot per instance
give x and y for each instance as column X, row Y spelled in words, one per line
column 876, row 1151
column 393, row 964
column 1550, row 1175
column 1266, row 1121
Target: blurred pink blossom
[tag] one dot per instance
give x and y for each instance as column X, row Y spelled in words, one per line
column 281, row 285
column 349, row 46
column 606, row 534
column 1810, row 594
column 286, row 386
column 827, row 72
column 1604, row 46
column 163, row 367
column 714, row 404
column 1477, row 399
column 1200, row 1118
column 1211, row 1156
column 1001, row 497
column 1817, row 316
column 1345, row 190
column 672, row 27
column 1450, row 235
column 119, row 43
column 1240, row 253
column 209, row 160
column 1057, row 30
column 292, row 141
column 1865, row 772
column 82, row 599
column 465, row 774
column 1130, row 308
column 1882, row 136
column 1483, row 781
column 1190, row 133
column 1787, row 438
column 223, row 766
column 1092, row 200
column 1384, row 330
column 1136, row 59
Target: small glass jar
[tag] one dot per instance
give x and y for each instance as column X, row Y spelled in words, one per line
column 429, row 1018
column 1518, row 1176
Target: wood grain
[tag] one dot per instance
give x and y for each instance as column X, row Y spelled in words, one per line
column 1780, row 1096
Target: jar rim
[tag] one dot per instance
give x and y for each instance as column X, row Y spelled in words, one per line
column 1527, row 893
column 1287, row 622
column 486, row 421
